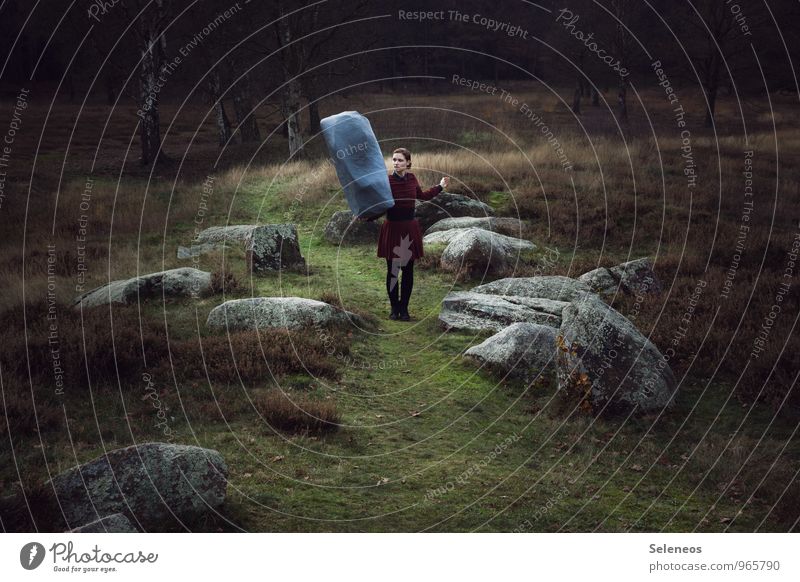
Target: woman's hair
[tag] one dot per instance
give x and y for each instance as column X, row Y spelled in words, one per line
column 406, row 154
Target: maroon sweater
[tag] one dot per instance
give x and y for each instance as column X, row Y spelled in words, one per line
column 407, row 190
column 399, row 223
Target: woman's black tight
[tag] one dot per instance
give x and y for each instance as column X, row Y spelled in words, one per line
column 399, row 291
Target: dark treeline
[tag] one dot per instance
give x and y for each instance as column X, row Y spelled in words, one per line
column 289, row 55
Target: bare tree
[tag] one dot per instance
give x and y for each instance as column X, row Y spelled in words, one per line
column 622, row 12
column 718, row 45
column 152, row 41
column 213, row 84
column 291, row 94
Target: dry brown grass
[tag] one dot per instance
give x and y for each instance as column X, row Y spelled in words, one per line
column 109, row 350
column 297, row 413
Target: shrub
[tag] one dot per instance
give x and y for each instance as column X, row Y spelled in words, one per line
column 224, row 282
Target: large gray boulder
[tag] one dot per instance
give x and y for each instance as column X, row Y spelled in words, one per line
column 465, row 310
column 274, row 247
column 503, row 225
column 481, row 251
column 183, row 282
column 521, row 350
column 277, row 312
column 342, row 228
column 447, row 205
column 115, row 523
column 151, row 483
column 632, row 278
column 555, row 287
column 604, row 362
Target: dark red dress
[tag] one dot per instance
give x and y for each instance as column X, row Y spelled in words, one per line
column 399, row 234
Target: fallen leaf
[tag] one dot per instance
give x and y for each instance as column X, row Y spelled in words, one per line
column 277, row 458
column 415, row 413
column 636, row 468
column 382, row 481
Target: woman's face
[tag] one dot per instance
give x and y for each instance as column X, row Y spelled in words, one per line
column 400, row 163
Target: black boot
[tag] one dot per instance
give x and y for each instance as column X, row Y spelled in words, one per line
column 405, row 291
column 395, row 314
column 392, row 289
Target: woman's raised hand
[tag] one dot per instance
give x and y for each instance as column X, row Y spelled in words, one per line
column 445, row 183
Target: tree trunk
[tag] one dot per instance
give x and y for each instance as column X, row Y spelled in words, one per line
column 711, row 96
column 712, row 89
column 622, row 99
column 621, row 11
column 576, row 99
column 290, row 105
column 149, row 90
column 151, row 80
column 313, row 116
column 290, row 95
column 243, row 107
column 223, row 124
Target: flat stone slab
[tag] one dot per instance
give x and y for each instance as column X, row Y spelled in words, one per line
column 466, row 310
column 231, row 234
column 503, row 225
column 276, row 312
column 555, row 287
column 182, row 282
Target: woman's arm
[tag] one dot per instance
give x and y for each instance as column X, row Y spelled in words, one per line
column 431, row 192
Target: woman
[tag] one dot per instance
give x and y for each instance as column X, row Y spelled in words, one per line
column 400, row 240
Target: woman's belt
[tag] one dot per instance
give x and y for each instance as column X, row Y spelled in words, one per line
column 399, row 214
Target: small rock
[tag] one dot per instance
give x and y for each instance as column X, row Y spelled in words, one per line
column 342, row 228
